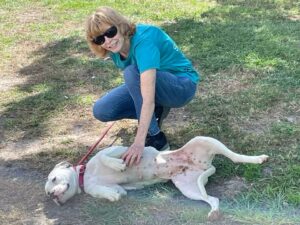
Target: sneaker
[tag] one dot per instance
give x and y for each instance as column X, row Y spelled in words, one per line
column 158, row 141
column 161, row 113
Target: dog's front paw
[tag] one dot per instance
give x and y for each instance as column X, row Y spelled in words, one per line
column 263, row 158
column 114, row 163
column 113, row 196
column 118, row 165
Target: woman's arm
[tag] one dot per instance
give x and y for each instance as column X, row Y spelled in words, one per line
column 135, row 151
column 148, row 93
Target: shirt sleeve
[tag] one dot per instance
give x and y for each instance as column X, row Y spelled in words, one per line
column 147, row 56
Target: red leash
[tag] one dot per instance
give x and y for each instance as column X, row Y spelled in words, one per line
column 91, row 149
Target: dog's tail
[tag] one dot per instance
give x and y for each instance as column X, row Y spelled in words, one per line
column 216, row 147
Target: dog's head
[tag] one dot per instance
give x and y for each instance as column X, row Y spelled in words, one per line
column 62, row 183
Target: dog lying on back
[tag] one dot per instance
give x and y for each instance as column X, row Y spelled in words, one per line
column 106, row 175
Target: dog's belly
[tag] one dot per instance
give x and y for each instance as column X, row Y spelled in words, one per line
column 172, row 163
column 145, row 171
column 135, row 174
column 142, row 173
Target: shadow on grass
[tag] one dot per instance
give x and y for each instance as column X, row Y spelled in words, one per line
column 73, row 152
column 62, row 71
column 248, row 56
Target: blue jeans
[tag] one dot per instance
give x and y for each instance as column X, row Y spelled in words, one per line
column 125, row 101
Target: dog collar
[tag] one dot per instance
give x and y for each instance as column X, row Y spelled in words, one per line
column 80, row 177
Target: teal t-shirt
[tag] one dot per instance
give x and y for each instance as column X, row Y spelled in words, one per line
column 152, row 48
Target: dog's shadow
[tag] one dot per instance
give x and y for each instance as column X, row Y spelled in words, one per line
column 159, row 203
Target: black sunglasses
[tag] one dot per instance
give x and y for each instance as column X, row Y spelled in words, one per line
column 110, row 33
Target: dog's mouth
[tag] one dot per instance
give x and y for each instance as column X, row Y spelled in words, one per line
column 57, row 197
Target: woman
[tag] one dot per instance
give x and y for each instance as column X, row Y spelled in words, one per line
column 157, row 76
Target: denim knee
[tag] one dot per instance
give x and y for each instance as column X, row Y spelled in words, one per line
column 131, row 75
column 100, row 112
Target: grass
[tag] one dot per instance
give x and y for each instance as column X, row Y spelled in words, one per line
column 246, row 51
column 146, row 210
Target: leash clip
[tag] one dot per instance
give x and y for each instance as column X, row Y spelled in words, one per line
column 82, row 169
column 81, row 174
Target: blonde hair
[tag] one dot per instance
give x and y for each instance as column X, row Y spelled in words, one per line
column 106, row 16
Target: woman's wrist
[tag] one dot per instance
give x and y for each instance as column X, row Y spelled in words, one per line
column 139, row 141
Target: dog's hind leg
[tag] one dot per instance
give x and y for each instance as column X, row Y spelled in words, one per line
column 239, row 158
column 191, row 184
column 214, row 202
column 213, row 146
column 203, row 178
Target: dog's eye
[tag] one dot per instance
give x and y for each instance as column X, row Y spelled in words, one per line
column 53, row 179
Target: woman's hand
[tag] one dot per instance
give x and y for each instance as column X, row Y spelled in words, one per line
column 133, row 154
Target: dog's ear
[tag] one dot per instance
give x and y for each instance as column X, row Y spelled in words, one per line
column 64, row 164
